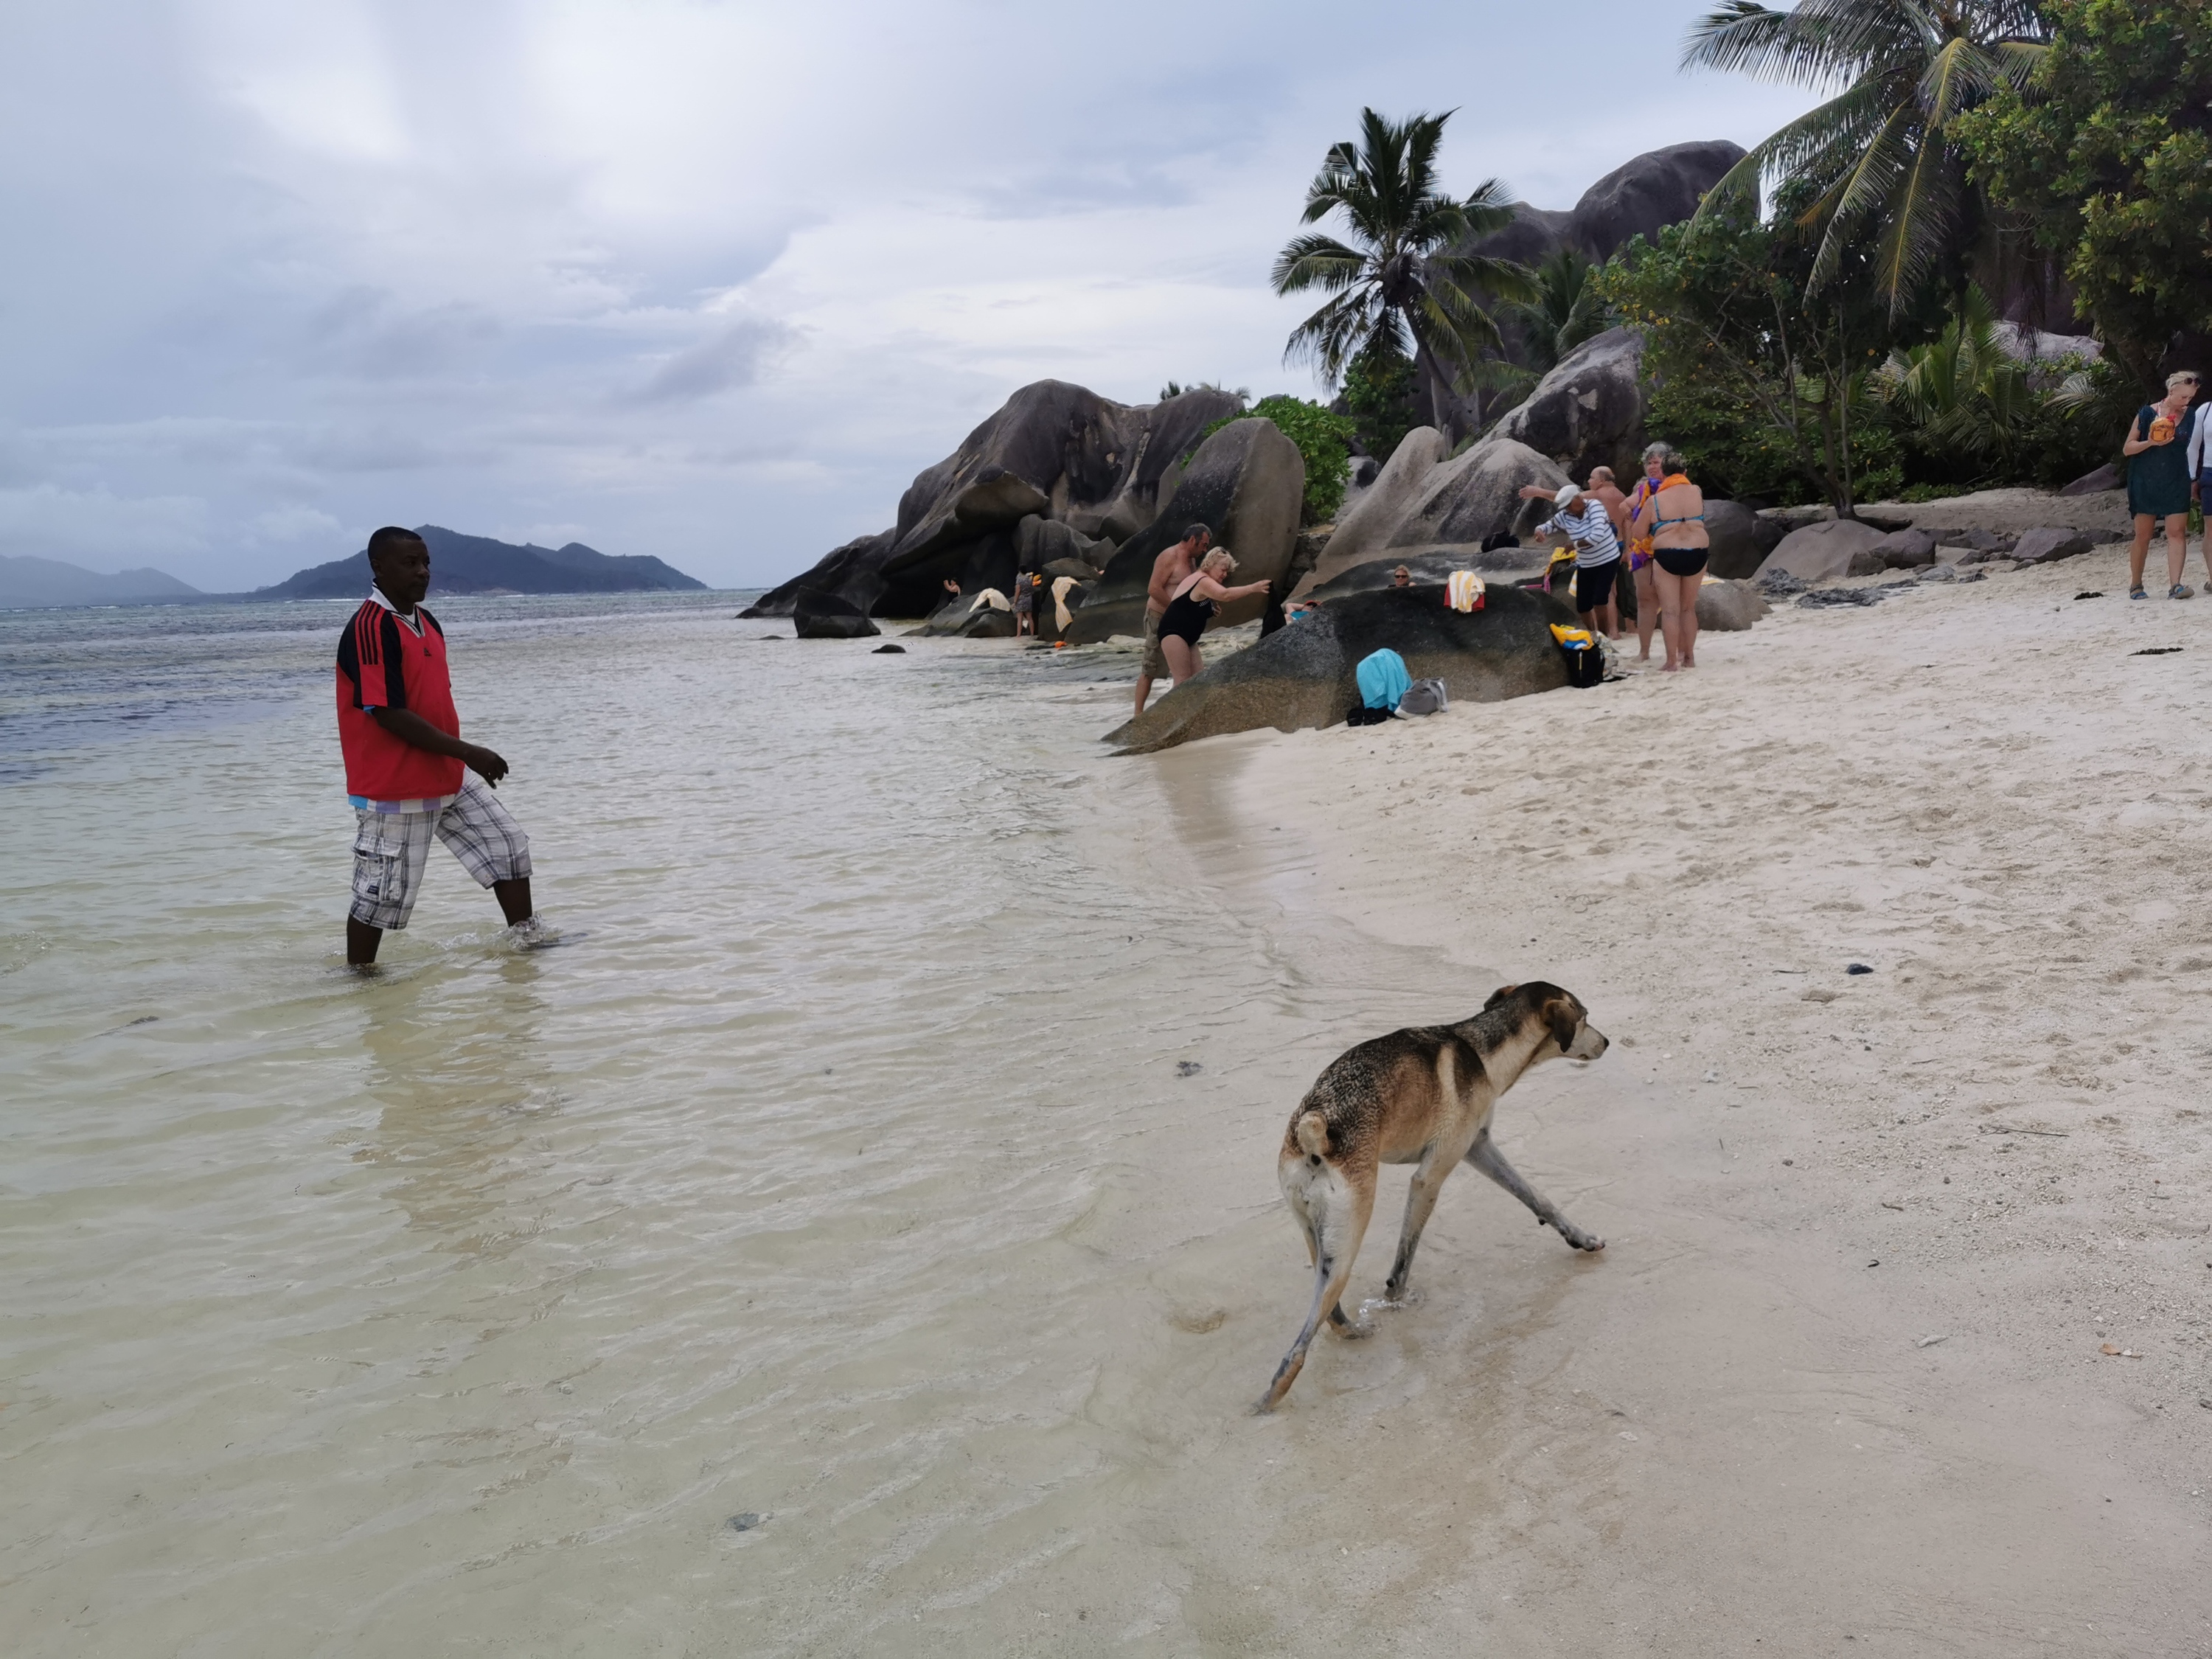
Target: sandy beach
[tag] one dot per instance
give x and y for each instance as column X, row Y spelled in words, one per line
column 1901, row 1335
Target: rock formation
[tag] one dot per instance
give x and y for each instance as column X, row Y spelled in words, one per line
column 1820, row 551
column 1303, row 674
column 1740, row 540
column 1659, row 188
column 1451, row 506
column 1076, row 462
column 1589, row 411
column 1248, row 483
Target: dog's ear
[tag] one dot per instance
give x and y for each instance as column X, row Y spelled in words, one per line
column 1562, row 1016
column 1499, row 996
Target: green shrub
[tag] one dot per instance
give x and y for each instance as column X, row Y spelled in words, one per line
column 1324, row 443
column 1381, row 390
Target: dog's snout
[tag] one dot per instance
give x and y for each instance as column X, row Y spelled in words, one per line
column 1589, row 1043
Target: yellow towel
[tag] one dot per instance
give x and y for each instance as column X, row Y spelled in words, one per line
column 1463, row 591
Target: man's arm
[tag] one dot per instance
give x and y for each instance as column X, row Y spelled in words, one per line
column 411, row 727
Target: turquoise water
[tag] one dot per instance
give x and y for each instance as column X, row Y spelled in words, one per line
column 839, row 1170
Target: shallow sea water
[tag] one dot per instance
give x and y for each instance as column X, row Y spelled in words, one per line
column 840, row 1170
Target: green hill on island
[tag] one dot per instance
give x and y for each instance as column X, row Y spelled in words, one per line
column 478, row 564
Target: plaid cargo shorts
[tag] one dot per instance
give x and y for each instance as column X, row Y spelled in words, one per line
column 392, row 849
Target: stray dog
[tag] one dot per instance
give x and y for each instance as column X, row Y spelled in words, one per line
column 1421, row 1095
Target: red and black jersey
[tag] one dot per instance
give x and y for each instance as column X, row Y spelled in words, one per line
column 383, row 663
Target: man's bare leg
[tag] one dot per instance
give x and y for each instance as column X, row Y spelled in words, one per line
column 513, row 898
column 1144, row 690
column 362, row 941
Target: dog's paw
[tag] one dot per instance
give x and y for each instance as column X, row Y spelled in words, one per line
column 1582, row 1240
column 1355, row 1330
column 1387, row 1303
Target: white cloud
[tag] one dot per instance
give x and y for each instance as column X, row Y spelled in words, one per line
column 707, row 281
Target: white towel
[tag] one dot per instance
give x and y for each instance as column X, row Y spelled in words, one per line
column 1463, row 591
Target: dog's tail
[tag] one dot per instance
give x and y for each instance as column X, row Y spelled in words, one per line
column 1313, row 1133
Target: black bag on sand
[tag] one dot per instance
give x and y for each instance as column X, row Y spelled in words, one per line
column 1585, row 668
column 1361, row 715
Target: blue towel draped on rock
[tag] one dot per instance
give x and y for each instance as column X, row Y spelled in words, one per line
column 1383, row 679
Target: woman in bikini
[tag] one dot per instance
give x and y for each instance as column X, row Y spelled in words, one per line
column 1192, row 606
column 1673, row 515
column 1641, row 568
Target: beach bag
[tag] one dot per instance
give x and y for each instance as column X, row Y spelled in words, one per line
column 1360, row 715
column 1585, row 661
column 1424, row 697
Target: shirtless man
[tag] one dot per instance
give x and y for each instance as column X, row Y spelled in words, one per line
column 1169, row 571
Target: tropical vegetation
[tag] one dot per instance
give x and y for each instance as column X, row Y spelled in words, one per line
column 1878, row 170
column 2105, row 153
column 1324, row 441
column 1401, row 281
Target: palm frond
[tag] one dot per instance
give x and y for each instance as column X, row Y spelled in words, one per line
column 1317, row 261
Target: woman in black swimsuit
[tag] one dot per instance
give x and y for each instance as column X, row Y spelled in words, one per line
column 1192, row 606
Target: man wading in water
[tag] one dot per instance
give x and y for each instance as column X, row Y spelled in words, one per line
column 1169, row 571
column 404, row 758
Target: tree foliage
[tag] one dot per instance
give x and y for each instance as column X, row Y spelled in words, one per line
column 2107, row 151
column 1879, row 166
column 1734, row 324
column 1324, row 441
column 1400, row 282
column 1382, row 394
column 1566, row 310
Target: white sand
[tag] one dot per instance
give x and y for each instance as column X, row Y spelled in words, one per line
column 1729, row 1432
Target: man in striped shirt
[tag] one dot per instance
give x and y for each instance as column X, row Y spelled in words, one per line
column 1583, row 520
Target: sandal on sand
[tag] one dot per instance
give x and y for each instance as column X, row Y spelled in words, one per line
column 2179, row 590
column 2137, row 593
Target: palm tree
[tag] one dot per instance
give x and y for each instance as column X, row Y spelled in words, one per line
column 1963, row 393
column 1878, row 158
column 1405, row 281
column 1565, row 312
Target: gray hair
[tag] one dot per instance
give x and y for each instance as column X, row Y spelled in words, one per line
column 1666, row 454
column 1197, row 532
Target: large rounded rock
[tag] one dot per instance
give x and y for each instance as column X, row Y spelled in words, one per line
column 1303, row 675
column 1474, row 496
column 1640, row 197
column 1247, row 483
column 1364, row 529
column 1054, row 451
column 1730, row 607
column 1820, row 552
column 829, row 617
column 1432, row 569
column 1589, row 411
column 1741, row 539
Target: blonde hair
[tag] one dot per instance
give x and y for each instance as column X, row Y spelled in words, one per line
column 2181, row 377
column 1220, row 556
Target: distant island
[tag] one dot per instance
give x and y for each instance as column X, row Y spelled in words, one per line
column 459, row 564
column 478, row 564
column 34, row 584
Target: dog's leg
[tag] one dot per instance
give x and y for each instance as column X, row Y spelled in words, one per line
column 1421, row 1203
column 1485, row 1157
column 1335, row 1237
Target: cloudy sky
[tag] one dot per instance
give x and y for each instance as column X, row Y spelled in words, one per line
column 709, row 279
